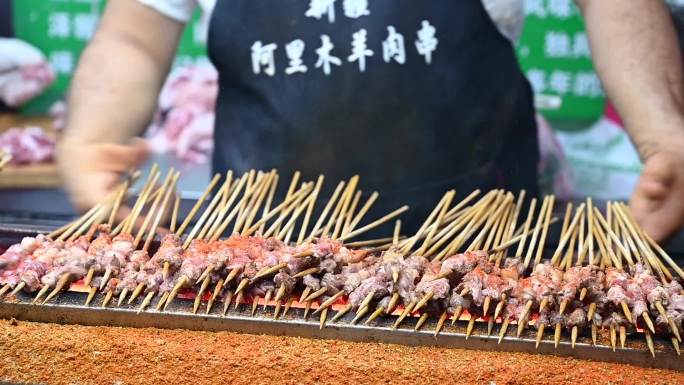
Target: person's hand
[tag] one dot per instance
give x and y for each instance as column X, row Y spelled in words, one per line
column 91, row 171
column 658, row 199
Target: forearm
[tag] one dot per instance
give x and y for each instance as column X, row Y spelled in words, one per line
column 114, row 90
column 637, row 57
column 112, row 96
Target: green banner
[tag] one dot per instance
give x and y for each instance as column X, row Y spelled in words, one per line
column 554, row 53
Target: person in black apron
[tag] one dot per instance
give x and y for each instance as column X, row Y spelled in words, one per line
column 450, row 111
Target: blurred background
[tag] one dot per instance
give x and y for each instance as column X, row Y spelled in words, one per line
column 584, row 148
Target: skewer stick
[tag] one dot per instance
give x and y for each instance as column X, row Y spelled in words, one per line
column 249, row 187
column 16, row 290
column 500, row 207
column 198, row 204
column 351, row 211
column 421, row 322
column 337, row 212
column 526, row 228
column 370, row 242
column 504, row 328
column 613, row 338
column 537, row 229
column 261, row 188
column 522, row 236
column 160, row 213
column 647, row 320
column 341, row 313
column 293, row 184
column 649, row 342
column 63, row 280
column 269, row 201
column 326, row 209
column 612, row 236
column 351, row 187
column 284, row 207
column 76, row 224
column 567, row 260
column 363, row 211
column 449, row 231
column 200, row 294
column 568, row 233
column 456, row 218
column 146, row 302
column 316, row 294
column 214, row 294
column 378, row 311
column 122, row 296
column 299, row 206
column 309, row 209
column 522, row 322
column 221, row 225
column 117, row 202
column 423, row 301
column 162, row 301
column 440, row 323
column 140, row 202
column 675, row 344
column 174, row 213
column 556, row 335
column 499, row 306
column 440, row 218
column 205, row 215
column 91, row 295
column 396, row 234
column 288, row 305
column 324, row 317
column 136, row 292
column 407, row 310
column 457, row 314
column 182, row 281
column 6, row 158
column 226, row 301
column 375, row 223
column 471, row 324
column 267, row 298
column 540, row 334
column 625, row 309
column 591, row 232
column 392, row 303
column 148, row 218
column 498, row 226
column 600, row 237
column 107, row 298
column 41, row 293
column 362, row 312
column 435, row 212
column 330, row 301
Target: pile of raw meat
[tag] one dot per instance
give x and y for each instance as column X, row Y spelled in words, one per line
column 24, row 72
column 28, row 145
column 184, row 121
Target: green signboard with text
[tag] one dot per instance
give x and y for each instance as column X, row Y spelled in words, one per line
column 554, row 53
column 62, row 28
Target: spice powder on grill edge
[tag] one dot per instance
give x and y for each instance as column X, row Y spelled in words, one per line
column 67, row 354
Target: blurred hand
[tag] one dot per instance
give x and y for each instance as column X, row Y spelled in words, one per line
column 91, row 171
column 658, row 199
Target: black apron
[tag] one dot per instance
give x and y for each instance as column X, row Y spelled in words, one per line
column 411, row 131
